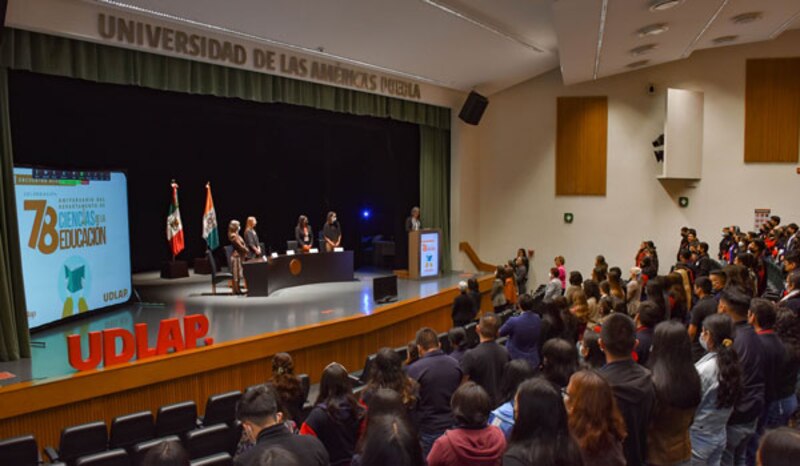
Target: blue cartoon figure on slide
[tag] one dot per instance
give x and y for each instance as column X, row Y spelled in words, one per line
column 74, row 285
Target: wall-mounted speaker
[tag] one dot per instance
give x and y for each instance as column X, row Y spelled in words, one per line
column 473, row 108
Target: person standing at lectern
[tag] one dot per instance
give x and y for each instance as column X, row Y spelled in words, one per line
column 331, row 232
column 239, row 252
column 303, row 234
column 413, row 222
column 251, row 239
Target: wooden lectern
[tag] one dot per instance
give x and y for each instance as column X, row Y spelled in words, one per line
column 424, row 253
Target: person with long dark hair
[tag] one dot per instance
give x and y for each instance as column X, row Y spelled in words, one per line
column 303, row 234
column 386, row 371
column 787, row 327
column 591, row 354
column 472, row 441
column 575, row 280
column 594, row 419
column 516, row 372
column 336, row 417
column 390, row 440
column 287, row 385
column 592, row 291
column 559, row 362
column 541, row 434
column 721, row 386
column 677, row 387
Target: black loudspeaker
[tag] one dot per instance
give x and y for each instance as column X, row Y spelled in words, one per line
column 473, row 108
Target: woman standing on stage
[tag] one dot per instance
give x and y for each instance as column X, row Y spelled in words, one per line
column 303, row 234
column 239, row 252
column 251, row 239
column 332, row 232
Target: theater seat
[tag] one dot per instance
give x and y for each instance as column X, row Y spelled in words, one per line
column 80, row 440
column 216, row 275
column 472, row 334
column 116, row 457
column 220, row 459
column 444, row 342
column 176, row 419
column 291, row 245
column 130, row 429
column 221, row 408
column 139, row 450
column 305, row 383
column 21, row 451
column 402, row 351
column 209, row 441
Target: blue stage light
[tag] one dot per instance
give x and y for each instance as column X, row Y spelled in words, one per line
column 366, row 213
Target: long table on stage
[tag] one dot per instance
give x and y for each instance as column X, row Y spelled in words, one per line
column 266, row 277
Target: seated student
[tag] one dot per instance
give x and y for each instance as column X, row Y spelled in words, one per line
column 484, row 364
column 594, row 420
column 524, row 333
column 559, row 362
column 646, row 320
column 541, row 434
column 631, row 383
column 336, row 417
column 704, row 306
column 472, row 441
column 458, row 343
column 263, row 423
column 677, row 389
column 516, row 372
column 463, row 311
column 288, row 385
column 780, row 447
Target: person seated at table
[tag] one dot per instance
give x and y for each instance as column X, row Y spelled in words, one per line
column 303, row 234
column 251, row 239
column 331, row 232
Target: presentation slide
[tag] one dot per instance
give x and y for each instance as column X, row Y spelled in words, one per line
column 74, row 239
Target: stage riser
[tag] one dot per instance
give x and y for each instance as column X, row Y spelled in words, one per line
column 44, row 409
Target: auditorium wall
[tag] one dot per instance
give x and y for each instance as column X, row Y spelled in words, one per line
column 515, row 176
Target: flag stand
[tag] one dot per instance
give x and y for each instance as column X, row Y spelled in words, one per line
column 174, row 268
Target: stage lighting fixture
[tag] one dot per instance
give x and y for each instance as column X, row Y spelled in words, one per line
column 366, row 213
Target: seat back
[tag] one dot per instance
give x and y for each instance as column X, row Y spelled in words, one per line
column 291, row 245
column 21, row 451
column 116, row 457
column 228, row 253
column 212, row 263
column 128, row 430
column 472, row 334
column 209, row 441
column 220, row 459
column 444, row 342
column 221, row 408
column 82, row 440
column 305, row 383
column 402, row 351
column 367, row 368
column 176, row 419
column 139, row 451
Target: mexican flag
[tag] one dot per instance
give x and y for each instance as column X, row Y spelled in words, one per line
column 210, row 221
column 174, row 225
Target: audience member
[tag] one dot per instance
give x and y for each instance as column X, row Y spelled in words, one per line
column 559, row 362
column 458, row 343
column 575, row 280
column 718, row 279
column 510, row 287
column 704, row 306
column 600, row 263
column 412, row 355
column 742, row 423
column 336, row 417
column 655, row 291
column 562, row 272
column 792, row 298
column 580, row 309
column 720, row 381
column 553, row 288
column 572, row 324
column 288, row 386
column 521, row 275
column 594, row 420
column 787, row 326
column 515, row 372
column 615, row 283
column 278, row 457
column 463, row 307
column 592, row 292
column 780, row 447
column 646, row 320
column 474, row 292
column 167, row 453
column 591, row 354
column 262, row 422
column 631, row 383
column 524, row 333
column 552, row 323
column 633, row 291
column 472, row 441
column 541, row 434
column 677, row 300
column 599, row 274
column 389, row 440
column 704, row 264
column 484, row 364
column 677, row 389
column 499, row 302
column 438, row 376
column 386, row 371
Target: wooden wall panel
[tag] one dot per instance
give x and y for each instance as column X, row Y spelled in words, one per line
column 581, row 140
column 772, row 110
column 44, row 408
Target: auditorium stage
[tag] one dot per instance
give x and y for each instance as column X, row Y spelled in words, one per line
column 231, row 317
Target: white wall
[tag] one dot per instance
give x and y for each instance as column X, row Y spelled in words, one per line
column 516, row 170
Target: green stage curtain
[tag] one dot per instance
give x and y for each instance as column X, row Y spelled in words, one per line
column 14, row 336
column 434, row 184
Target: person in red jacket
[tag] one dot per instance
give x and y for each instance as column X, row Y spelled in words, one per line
column 472, row 442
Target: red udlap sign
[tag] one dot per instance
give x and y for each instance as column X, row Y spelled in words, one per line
column 103, row 345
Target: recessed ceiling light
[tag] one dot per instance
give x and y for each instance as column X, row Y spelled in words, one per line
column 637, row 64
column 746, row 18
column 724, row 39
column 642, row 49
column 653, row 30
column 661, row 5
